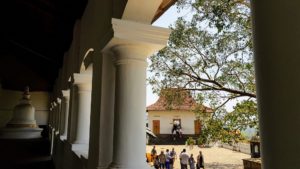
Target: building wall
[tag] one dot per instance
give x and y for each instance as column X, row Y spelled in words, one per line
column 9, row 99
column 166, row 120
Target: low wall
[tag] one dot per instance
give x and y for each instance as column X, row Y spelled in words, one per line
column 64, row 157
column 167, row 139
column 240, row 147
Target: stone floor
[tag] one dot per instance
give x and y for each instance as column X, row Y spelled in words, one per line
column 25, row 154
column 214, row 157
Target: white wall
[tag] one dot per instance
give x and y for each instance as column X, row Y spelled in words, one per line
column 166, row 120
column 9, row 99
column 241, row 147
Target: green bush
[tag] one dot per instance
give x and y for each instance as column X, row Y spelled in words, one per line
column 201, row 140
column 190, row 141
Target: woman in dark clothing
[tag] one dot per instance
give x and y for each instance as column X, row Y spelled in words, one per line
column 192, row 162
column 200, row 161
column 156, row 163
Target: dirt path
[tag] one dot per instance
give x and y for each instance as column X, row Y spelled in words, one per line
column 214, row 158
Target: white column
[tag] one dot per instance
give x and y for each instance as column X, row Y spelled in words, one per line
column 130, row 135
column 277, row 49
column 103, row 95
column 52, row 116
column 52, row 132
column 52, row 129
column 131, row 45
column 107, row 111
column 95, row 112
column 65, row 113
column 82, row 109
column 50, row 122
column 58, row 112
column 55, row 116
column 72, row 113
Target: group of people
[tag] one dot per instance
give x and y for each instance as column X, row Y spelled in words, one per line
column 166, row 160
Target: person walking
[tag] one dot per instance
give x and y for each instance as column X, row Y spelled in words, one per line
column 162, row 160
column 168, row 159
column 153, row 154
column 156, row 163
column 173, row 157
column 192, row 162
column 184, row 159
column 200, row 161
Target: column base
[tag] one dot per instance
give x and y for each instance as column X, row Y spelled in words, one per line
column 128, row 166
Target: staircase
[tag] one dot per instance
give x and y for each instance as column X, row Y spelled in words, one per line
column 167, row 139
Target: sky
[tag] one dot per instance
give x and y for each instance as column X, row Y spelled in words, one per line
column 168, row 18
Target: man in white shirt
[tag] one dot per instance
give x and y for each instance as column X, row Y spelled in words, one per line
column 184, row 159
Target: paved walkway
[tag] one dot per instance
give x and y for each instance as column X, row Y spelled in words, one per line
column 214, row 158
column 25, row 154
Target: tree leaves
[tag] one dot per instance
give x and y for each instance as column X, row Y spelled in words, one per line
column 214, row 58
column 211, row 54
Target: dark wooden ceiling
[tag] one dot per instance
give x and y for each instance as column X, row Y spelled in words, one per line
column 34, row 34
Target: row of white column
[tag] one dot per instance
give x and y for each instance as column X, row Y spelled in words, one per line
column 277, row 42
column 70, row 117
column 109, row 106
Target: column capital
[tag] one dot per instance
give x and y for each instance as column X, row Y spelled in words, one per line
column 77, row 78
column 54, row 104
column 58, row 100
column 135, row 40
column 65, row 94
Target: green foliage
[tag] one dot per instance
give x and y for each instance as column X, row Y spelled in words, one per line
column 202, row 140
column 173, row 97
column 227, row 127
column 244, row 115
column 190, row 141
column 202, row 57
column 211, row 54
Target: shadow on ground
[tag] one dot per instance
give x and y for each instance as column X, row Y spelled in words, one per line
column 222, row 166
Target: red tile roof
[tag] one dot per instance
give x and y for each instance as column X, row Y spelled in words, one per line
column 176, row 99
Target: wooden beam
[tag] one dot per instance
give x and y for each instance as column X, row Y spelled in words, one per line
column 164, row 6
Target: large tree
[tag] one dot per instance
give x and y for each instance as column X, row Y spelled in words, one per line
column 210, row 54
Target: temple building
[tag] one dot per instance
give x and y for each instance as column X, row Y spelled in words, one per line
column 85, row 63
column 163, row 114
